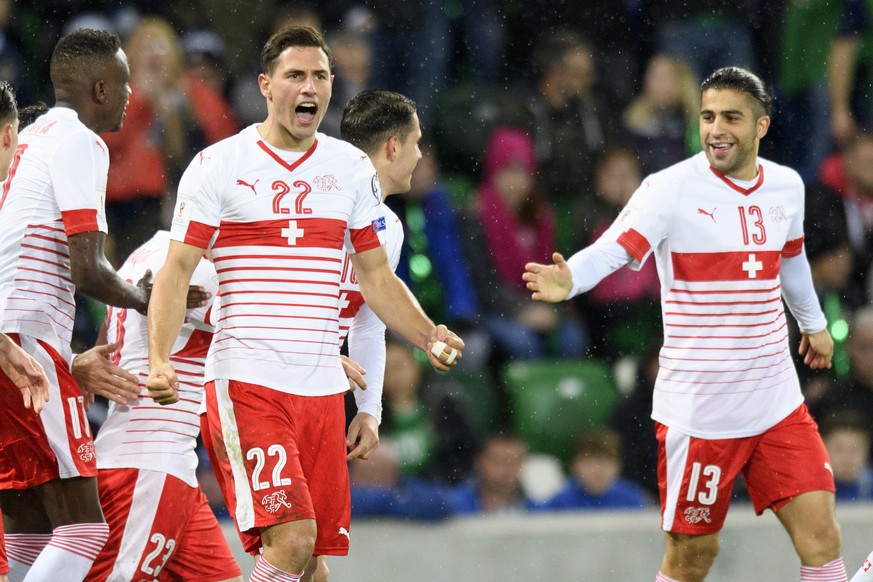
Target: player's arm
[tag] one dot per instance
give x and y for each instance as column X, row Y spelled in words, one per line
column 367, row 347
column 25, row 372
column 392, row 301
column 585, row 269
column 816, row 344
column 93, row 274
column 165, row 318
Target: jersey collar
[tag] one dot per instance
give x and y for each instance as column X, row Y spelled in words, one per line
column 738, row 188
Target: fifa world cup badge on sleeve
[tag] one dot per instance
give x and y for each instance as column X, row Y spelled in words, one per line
column 182, row 212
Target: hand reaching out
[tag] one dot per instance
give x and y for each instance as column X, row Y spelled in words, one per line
column 551, row 283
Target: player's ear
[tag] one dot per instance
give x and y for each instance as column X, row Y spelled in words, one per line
column 98, row 91
column 264, row 85
column 392, row 147
column 763, row 125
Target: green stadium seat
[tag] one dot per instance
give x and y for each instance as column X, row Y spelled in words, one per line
column 554, row 401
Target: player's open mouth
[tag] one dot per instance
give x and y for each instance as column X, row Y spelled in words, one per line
column 306, row 112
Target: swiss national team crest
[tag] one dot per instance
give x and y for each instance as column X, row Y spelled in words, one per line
column 326, row 183
column 378, row 225
column 377, row 189
column 777, row 214
column 86, row 452
column 697, row 514
column 274, row 501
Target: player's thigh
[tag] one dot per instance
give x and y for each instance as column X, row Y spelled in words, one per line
column 696, row 478
column 69, row 501
column 789, row 460
column 201, row 551
column 57, row 443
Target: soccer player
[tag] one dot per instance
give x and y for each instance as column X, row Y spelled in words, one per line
column 385, row 126
column 52, row 243
column 160, row 524
column 25, row 372
column 726, row 229
column 277, row 204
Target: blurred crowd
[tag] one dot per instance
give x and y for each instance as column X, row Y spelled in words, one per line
column 540, row 120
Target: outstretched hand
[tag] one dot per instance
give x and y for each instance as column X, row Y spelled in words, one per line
column 96, row 374
column 817, row 349
column 551, row 283
column 25, row 372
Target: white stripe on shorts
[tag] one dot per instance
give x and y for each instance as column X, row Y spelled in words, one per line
column 245, row 511
column 676, row 449
column 53, row 415
column 140, row 519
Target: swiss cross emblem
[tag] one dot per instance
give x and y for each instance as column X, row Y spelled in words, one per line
column 326, row 183
column 292, row 233
column 752, row 266
column 86, row 452
column 274, row 501
column 697, row 514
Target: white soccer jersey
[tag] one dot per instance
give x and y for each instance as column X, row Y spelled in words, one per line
column 365, row 331
column 56, row 188
column 725, row 368
column 277, row 223
column 146, row 435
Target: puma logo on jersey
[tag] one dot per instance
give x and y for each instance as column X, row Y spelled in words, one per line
column 709, row 214
column 204, row 157
column 344, row 532
column 247, row 185
column 828, row 467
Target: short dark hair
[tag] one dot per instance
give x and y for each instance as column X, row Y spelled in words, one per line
column 81, row 48
column 29, row 114
column 374, row 115
column 289, row 36
column 8, row 105
column 739, row 79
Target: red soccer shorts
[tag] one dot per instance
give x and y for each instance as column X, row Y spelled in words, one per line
column 283, row 458
column 696, row 476
column 57, row 443
column 160, row 528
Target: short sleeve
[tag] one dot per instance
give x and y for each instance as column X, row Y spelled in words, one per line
column 78, row 170
column 196, row 214
column 362, row 234
column 644, row 222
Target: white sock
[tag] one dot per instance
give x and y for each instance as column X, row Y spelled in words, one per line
column 22, row 550
column 661, row 578
column 72, row 551
column 833, row 571
column 266, row 572
column 865, row 573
